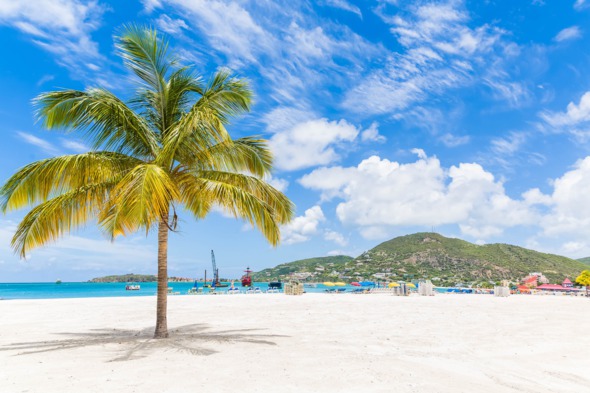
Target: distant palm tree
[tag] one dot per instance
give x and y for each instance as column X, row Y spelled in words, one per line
column 166, row 147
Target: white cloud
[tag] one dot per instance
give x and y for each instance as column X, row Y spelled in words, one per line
column 62, row 27
column 38, row 142
column 580, row 4
column 440, row 52
column 344, row 5
column 568, row 34
column 380, row 194
column 278, row 183
column 574, row 121
column 312, row 143
column 150, row 5
column 293, row 51
column 509, row 144
column 372, row 134
column 335, row 237
column 451, row 140
column 574, row 115
column 238, row 36
column 74, row 146
column 302, row 227
column 171, row 26
column 44, row 79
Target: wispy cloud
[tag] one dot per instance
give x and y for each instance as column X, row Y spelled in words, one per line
column 574, row 121
column 451, row 140
column 439, row 52
column 580, row 4
column 38, row 142
column 44, row 79
column 344, row 5
column 508, row 145
column 171, row 26
column 568, row 34
column 74, row 146
column 61, row 27
column 50, row 148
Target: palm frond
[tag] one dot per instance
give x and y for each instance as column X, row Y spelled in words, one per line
column 146, row 54
column 242, row 196
column 244, row 154
column 141, row 199
column 50, row 220
column 41, row 180
column 108, row 123
column 203, row 126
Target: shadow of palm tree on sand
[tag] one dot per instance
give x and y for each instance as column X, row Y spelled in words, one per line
column 136, row 344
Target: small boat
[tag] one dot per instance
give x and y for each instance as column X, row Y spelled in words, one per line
column 58, row 282
column 275, row 285
column 132, row 287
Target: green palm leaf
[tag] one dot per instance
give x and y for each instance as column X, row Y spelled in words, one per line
column 107, row 122
column 60, row 215
column 43, row 179
column 140, row 199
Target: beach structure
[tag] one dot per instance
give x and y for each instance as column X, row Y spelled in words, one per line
column 502, row 290
column 426, row 288
column 294, row 288
column 567, row 283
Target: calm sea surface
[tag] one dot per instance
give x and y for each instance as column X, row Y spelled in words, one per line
column 86, row 289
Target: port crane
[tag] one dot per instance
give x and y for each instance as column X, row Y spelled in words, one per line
column 215, row 282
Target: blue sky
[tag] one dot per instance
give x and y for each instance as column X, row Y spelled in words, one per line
column 386, row 117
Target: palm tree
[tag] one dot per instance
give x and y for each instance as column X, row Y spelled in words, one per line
column 166, row 147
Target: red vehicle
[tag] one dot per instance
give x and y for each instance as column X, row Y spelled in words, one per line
column 246, row 278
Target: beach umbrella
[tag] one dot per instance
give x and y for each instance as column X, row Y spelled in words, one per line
column 329, row 283
column 410, row 285
column 355, row 284
column 366, row 283
column 393, row 284
column 340, row 284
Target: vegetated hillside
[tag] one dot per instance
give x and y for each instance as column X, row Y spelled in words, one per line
column 585, row 261
column 126, row 278
column 450, row 261
column 284, row 270
column 446, row 261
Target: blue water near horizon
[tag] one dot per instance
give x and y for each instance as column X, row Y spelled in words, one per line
column 89, row 289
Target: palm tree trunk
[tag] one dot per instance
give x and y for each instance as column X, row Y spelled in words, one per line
column 162, row 299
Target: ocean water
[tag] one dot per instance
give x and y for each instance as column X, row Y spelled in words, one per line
column 86, row 289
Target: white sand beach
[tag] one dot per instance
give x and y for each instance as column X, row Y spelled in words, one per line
column 309, row 343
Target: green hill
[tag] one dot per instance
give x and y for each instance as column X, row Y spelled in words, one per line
column 446, row 261
column 126, row 278
column 284, row 270
column 584, row 260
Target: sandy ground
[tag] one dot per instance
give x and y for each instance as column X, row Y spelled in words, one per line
column 309, row 343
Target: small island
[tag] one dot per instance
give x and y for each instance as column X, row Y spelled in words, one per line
column 137, row 278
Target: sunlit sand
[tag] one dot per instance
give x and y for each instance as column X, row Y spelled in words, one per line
column 309, row 343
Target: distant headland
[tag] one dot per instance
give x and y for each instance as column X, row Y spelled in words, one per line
column 137, row 278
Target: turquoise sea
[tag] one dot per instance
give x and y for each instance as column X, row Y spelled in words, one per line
column 86, row 289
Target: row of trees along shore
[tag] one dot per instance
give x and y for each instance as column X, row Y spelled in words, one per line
column 166, row 146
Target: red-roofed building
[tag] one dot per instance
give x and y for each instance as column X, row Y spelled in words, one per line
column 567, row 283
column 530, row 281
column 551, row 287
